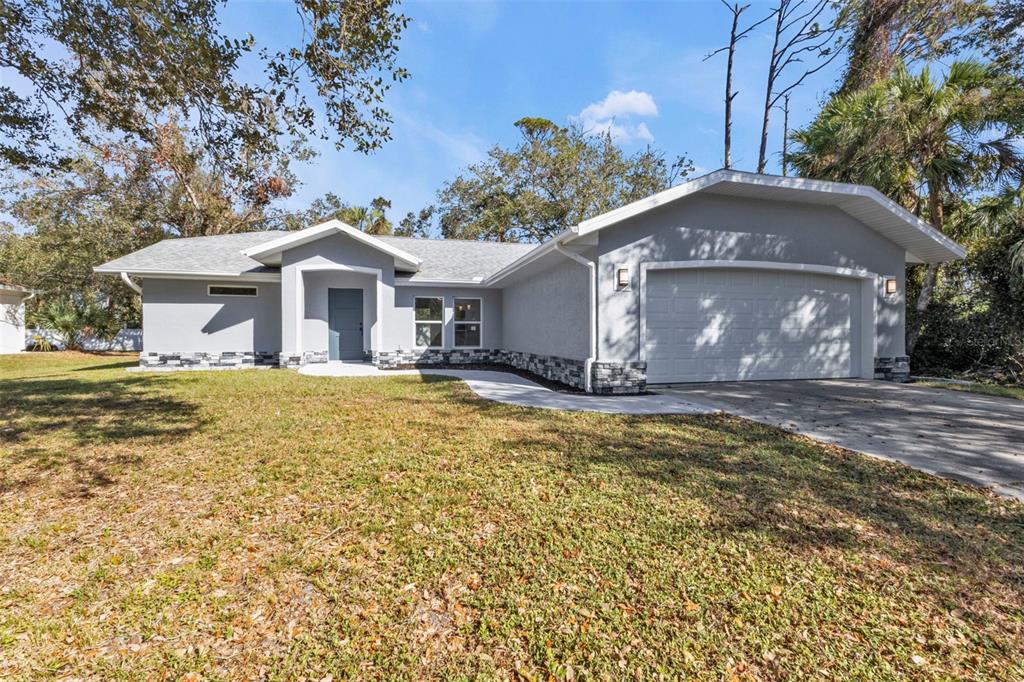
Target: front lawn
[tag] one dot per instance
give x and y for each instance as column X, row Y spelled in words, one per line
column 263, row 524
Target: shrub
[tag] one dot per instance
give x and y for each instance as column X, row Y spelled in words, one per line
column 75, row 319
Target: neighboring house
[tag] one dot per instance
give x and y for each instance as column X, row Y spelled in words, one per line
column 731, row 276
column 12, row 317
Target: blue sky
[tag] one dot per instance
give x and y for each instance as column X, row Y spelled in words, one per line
column 479, row 66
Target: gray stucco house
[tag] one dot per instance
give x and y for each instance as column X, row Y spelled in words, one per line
column 731, row 276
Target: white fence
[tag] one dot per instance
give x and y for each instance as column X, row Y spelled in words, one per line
column 125, row 340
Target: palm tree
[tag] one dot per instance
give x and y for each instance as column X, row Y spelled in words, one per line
column 74, row 319
column 918, row 140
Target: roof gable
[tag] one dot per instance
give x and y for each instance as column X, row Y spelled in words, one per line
column 269, row 253
column 922, row 242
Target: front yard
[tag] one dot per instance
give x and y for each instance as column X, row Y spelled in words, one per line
column 262, row 524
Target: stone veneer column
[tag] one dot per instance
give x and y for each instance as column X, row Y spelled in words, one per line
column 893, row 368
column 618, row 378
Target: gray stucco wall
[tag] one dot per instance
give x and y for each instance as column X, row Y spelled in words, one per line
column 315, row 322
column 400, row 333
column 333, row 250
column 179, row 316
column 546, row 313
column 709, row 227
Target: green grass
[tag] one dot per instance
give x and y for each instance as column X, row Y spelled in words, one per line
column 253, row 524
column 997, row 390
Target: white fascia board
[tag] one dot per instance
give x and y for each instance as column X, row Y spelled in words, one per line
column 840, row 189
column 921, row 225
column 315, row 232
column 648, row 203
column 475, row 282
column 185, row 274
column 530, row 256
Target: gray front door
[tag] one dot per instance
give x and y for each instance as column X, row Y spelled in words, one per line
column 345, row 324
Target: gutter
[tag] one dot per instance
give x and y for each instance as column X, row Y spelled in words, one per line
column 592, row 267
column 131, row 285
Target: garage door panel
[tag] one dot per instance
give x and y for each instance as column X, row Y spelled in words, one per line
column 727, row 325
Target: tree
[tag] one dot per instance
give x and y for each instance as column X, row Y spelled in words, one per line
column 74, row 319
column 735, row 36
column 119, row 198
column 554, row 178
column 920, row 141
column 974, row 325
column 798, row 38
column 1000, row 37
column 417, row 224
column 121, row 68
column 881, row 34
column 370, row 219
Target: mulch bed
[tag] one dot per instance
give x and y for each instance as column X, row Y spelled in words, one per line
column 494, row 367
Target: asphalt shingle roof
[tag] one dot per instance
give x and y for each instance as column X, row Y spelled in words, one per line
column 447, row 259
column 458, row 259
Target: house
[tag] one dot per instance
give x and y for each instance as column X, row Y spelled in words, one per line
column 12, row 317
column 731, row 276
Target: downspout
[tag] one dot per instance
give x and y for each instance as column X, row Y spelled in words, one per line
column 131, row 285
column 592, row 267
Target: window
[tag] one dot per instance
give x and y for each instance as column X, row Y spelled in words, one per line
column 429, row 322
column 222, row 290
column 467, row 322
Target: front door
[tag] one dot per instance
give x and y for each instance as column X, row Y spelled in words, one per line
column 345, row 324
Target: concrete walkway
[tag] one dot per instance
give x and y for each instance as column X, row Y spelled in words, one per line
column 506, row 387
column 966, row 436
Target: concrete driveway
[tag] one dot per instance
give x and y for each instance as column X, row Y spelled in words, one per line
column 973, row 438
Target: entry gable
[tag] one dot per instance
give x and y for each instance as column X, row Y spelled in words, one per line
column 270, row 252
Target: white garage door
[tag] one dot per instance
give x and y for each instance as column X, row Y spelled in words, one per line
column 732, row 325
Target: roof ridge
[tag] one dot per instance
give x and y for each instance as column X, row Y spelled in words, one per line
column 451, row 239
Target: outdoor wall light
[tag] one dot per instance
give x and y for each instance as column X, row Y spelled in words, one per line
column 890, row 286
column 622, row 277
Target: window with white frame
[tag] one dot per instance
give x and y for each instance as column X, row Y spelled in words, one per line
column 225, row 290
column 468, row 322
column 429, row 313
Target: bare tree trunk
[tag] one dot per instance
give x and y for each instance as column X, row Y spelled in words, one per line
column 736, row 11
column 785, row 134
column 780, row 16
column 735, row 36
column 931, row 274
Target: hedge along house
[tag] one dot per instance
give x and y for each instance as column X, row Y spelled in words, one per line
column 731, row 276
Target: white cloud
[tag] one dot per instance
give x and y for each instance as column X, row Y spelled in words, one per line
column 619, row 103
column 464, row 147
column 611, row 115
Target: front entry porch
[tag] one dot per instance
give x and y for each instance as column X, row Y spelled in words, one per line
column 331, row 312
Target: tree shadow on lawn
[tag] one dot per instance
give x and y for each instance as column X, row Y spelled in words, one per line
column 795, row 491
column 89, row 428
column 809, row 496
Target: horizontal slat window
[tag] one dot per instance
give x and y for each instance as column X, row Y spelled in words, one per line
column 225, row 290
